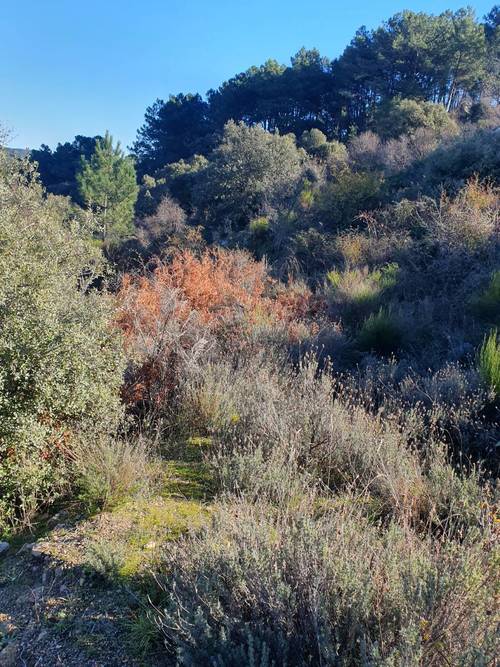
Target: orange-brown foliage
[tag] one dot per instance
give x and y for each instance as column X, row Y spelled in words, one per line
column 223, row 293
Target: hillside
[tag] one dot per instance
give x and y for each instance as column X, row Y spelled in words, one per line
column 18, row 152
column 250, row 372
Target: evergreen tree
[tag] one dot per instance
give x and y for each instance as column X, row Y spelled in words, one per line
column 172, row 131
column 108, row 185
column 58, row 168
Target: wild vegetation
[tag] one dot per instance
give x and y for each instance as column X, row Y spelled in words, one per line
column 270, row 366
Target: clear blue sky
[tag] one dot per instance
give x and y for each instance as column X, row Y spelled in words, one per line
column 72, row 67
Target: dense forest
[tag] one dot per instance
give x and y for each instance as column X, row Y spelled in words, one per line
column 250, row 369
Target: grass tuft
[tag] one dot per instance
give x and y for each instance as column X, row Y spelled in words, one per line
column 489, row 362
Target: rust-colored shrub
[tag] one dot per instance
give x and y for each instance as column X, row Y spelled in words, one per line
column 184, row 307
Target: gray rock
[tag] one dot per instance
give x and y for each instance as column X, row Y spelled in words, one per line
column 4, row 547
column 37, row 550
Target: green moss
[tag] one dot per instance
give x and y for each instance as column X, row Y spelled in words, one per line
column 138, row 527
column 153, row 524
column 191, row 480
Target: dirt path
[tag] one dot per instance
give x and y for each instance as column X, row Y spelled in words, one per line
column 53, row 611
column 78, row 595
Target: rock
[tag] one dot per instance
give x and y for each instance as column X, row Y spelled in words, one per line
column 57, row 518
column 4, row 547
column 37, row 550
column 8, row 655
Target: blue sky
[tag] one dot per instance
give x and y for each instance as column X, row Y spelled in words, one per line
column 72, row 67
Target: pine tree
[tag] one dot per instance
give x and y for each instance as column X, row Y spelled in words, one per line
column 108, row 185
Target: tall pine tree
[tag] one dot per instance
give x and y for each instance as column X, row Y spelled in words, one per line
column 108, row 184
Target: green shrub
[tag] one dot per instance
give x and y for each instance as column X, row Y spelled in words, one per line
column 487, row 305
column 381, row 333
column 275, row 431
column 259, row 226
column 356, row 292
column 400, row 116
column 334, row 153
column 470, row 155
column 339, row 203
column 489, row 362
column 61, row 360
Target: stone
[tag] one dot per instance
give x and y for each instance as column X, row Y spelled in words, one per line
column 4, row 547
column 37, row 550
column 57, row 520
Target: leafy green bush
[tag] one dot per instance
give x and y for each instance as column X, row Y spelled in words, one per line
column 249, row 168
column 401, row 116
column 381, row 332
column 489, row 362
column 61, row 360
column 340, row 202
column 333, row 153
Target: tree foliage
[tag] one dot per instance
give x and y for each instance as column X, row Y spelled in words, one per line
column 172, row 131
column 404, row 116
column 60, row 360
column 108, row 185
column 249, row 168
column 58, row 168
column 442, row 59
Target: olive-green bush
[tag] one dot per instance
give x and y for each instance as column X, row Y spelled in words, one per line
column 61, row 360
